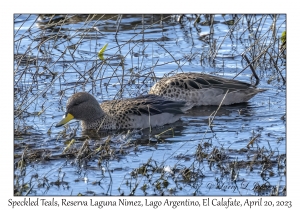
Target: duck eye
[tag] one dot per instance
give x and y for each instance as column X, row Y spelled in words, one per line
column 76, row 103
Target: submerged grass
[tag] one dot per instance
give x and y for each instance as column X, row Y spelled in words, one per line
column 51, row 61
column 153, row 177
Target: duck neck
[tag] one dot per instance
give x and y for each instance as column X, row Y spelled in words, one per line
column 94, row 123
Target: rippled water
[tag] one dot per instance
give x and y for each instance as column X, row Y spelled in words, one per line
column 156, row 46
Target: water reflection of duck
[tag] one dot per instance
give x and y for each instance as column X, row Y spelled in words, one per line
column 201, row 89
column 139, row 136
column 139, row 112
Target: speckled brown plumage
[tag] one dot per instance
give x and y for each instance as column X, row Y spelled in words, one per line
column 139, row 112
column 203, row 89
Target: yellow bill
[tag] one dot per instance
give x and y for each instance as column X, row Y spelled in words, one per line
column 65, row 120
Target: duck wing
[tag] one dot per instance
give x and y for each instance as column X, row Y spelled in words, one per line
column 198, row 81
column 146, row 104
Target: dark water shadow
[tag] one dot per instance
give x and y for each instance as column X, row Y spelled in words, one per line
column 202, row 111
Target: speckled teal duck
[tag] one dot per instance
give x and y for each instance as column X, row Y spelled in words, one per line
column 139, row 112
column 202, row 89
